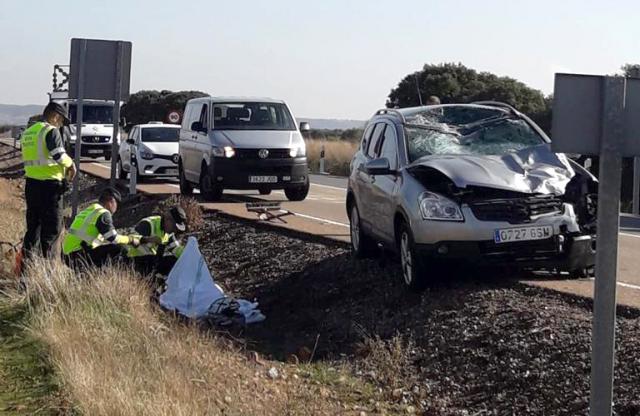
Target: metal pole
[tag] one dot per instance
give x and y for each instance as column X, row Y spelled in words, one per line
column 116, row 114
column 604, row 309
column 418, row 89
column 636, row 186
column 76, row 184
column 133, row 170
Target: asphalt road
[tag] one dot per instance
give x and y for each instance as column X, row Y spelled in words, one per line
column 323, row 213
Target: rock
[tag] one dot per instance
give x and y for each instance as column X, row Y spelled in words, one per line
column 396, row 393
column 410, row 410
column 273, row 373
column 227, row 399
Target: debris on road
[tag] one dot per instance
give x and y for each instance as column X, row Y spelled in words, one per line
column 268, row 211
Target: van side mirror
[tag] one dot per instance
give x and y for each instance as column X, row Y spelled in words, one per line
column 130, row 141
column 197, row 126
column 305, row 127
column 378, row 166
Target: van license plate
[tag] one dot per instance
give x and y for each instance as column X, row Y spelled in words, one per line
column 508, row 235
column 263, row 179
column 95, row 151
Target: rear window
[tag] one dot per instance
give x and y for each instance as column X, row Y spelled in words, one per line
column 252, row 116
column 157, row 134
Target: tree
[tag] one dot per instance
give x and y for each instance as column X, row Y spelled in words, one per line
column 455, row 83
column 631, row 70
column 152, row 105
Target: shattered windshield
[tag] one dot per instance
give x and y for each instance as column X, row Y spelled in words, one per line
column 467, row 131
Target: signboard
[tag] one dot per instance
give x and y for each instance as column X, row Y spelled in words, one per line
column 174, row 117
column 578, row 114
column 100, row 76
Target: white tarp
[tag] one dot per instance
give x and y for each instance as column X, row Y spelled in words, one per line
column 190, row 287
column 192, row 292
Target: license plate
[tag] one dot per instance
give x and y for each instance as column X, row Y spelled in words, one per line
column 94, row 151
column 172, row 171
column 263, row 179
column 508, row 235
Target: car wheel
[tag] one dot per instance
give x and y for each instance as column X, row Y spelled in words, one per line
column 185, row 186
column 582, row 273
column 264, row 191
column 361, row 244
column 209, row 191
column 413, row 273
column 297, row 193
column 107, row 156
column 121, row 172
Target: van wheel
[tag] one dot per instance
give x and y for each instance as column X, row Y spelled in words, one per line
column 209, row 191
column 361, row 244
column 413, row 270
column 185, row 186
column 264, row 191
column 107, row 156
column 297, row 193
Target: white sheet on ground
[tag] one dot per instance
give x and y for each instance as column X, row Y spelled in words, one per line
column 191, row 289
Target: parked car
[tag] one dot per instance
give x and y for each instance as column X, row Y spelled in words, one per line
column 242, row 143
column 154, row 146
column 471, row 183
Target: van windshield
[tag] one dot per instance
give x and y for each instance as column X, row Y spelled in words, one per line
column 252, row 116
column 93, row 114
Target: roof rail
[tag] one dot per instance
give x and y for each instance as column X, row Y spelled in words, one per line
column 390, row 111
column 496, row 104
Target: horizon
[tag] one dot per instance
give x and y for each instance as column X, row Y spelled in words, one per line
column 330, row 60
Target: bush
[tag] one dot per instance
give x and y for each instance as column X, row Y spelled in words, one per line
column 338, row 155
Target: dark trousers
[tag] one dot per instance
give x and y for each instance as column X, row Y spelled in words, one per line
column 154, row 264
column 44, row 217
column 99, row 256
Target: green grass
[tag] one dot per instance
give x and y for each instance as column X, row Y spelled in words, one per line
column 27, row 383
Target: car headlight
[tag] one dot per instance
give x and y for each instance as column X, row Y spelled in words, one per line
column 146, row 154
column 297, row 151
column 438, row 208
column 226, row 151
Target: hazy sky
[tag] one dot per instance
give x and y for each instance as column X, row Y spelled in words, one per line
column 326, row 58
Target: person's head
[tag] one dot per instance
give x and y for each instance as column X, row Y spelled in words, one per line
column 55, row 114
column 174, row 220
column 109, row 199
column 433, row 100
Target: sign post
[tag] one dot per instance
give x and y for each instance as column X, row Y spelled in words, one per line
column 117, row 94
column 595, row 115
column 82, row 53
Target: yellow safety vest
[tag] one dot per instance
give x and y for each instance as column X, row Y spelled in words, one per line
column 38, row 162
column 83, row 229
column 156, row 231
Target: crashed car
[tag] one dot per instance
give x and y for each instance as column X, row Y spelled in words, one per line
column 475, row 183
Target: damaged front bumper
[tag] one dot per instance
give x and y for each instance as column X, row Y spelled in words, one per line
column 472, row 241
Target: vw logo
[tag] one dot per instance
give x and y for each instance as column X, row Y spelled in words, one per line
column 263, row 153
column 96, row 139
column 175, row 158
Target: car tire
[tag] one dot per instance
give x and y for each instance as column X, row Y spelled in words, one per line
column 122, row 174
column 362, row 245
column 297, row 193
column 583, row 273
column 412, row 267
column 185, row 186
column 264, row 191
column 208, row 190
column 107, row 156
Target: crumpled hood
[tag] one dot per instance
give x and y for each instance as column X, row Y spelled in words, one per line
column 256, row 139
column 535, row 169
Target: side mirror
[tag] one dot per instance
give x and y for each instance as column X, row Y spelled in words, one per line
column 130, row 141
column 379, row 166
column 304, row 127
column 197, row 126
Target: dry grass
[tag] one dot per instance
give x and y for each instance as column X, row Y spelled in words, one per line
column 11, row 223
column 116, row 355
column 338, row 155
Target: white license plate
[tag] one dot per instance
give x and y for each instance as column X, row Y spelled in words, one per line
column 508, row 235
column 95, row 151
column 263, row 179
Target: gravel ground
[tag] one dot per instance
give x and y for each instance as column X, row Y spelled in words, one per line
column 473, row 345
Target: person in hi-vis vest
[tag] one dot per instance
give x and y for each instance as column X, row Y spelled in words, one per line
column 47, row 168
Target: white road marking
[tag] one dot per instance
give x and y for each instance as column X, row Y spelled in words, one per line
column 623, row 284
column 320, row 219
column 329, row 186
column 630, row 235
column 100, row 165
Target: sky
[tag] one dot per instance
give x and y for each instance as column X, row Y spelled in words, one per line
column 326, row 59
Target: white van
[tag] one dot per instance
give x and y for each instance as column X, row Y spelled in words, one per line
column 241, row 143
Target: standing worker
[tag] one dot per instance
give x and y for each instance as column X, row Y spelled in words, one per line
column 47, row 168
column 153, row 257
column 92, row 238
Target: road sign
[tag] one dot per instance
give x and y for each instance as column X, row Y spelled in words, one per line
column 173, row 117
column 99, row 69
column 593, row 115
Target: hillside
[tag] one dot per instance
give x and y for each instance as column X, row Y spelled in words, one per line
column 18, row 114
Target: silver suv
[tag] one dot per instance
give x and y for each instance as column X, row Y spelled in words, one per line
column 469, row 182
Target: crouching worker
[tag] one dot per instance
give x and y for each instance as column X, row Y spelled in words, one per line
column 161, row 254
column 92, row 238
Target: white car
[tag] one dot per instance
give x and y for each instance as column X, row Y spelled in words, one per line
column 154, row 147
